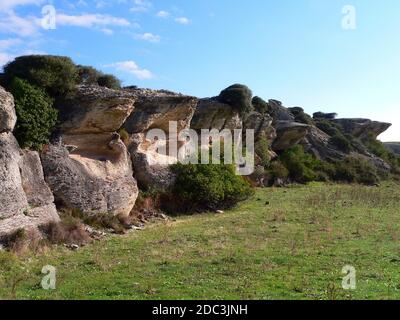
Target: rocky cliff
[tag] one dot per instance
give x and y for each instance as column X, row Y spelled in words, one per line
column 26, row 201
column 88, row 166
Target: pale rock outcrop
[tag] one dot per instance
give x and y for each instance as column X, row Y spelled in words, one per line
column 155, row 110
column 279, row 112
column 361, row 128
column 8, row 117
column 212, row 114
column 26, row 200
column 89, row 167
column 318, row 144
column 289, row 134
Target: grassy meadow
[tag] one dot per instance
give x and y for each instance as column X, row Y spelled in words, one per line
column 288, row 243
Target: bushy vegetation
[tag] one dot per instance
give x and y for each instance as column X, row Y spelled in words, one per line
column 378, row 148
column 301, row 116
column 301, row 165
column 260, row 105
column 35, row 113
column 238, row 96
column 356, row 169
column 322, row 115
column 57, row 75
column 208, row 187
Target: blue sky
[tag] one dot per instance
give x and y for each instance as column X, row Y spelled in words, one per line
column 296, row 51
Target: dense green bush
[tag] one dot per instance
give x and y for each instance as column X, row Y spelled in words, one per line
column 378, row 148
column 322, row 115
column 300, row 165
column 342, row 143
column 261, row 149
column 208, row 187
column 356, row 169
column 57, row 75
column 88, row 75
column 109, row 81
column 260, row 105
column 276, row 170
column 35, row 113
column 238, row 96
column 301, row 116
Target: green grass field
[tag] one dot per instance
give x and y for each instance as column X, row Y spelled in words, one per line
column 287, row 243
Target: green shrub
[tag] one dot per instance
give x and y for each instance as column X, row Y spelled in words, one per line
column 88, row 75
column 260, row 105
column 276, row 170
column 341, row 142
column 35, row 113
column 57, row 75
column 238, row 96
column 301, row 116
column 356, row 169
column 322, row 115
column 301, row 165
column 379, row 149
column 208, row 187
column 262, row 151
column 109, row 81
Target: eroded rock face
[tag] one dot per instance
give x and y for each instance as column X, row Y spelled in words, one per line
column 26, row 200
column 318, row 144
column 91, row 185
column 361, row 128
column 8, row 117
column 212, row 114
column 89, row 167
column 289, row 134
column 155, row 110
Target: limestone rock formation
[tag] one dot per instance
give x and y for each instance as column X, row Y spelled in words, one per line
column 155, row 110
column 26, row 200
column 8, row 117
column 89, row 167
column 361, row 128
column 289, row 134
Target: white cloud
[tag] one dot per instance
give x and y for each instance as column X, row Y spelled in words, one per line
column 163, row 14
column 132, row 68
column 91, row 20
column 7, row 43
column 24, row 27
column 148, row 37
column 141, row 6
column 107, row 31
column 10, row 4
column 182, row 20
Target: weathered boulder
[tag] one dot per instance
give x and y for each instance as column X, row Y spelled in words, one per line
column 318, row 144
column 289, row 134
column 8, row 117
column 26, row 200
column 212, row 114
column 362, row 128
column 155, row 110
column 92, row 185
column 89, row 167
column 279, row 112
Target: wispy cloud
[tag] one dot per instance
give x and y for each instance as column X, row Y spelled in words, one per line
column 132, row 68
column 182, row 20
column 163, row 14
column 107, row 31
column 91, row 20
column 21, row 26
column 10, row 4
column 148, row 37
column 8, row 43
column 141, row 6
